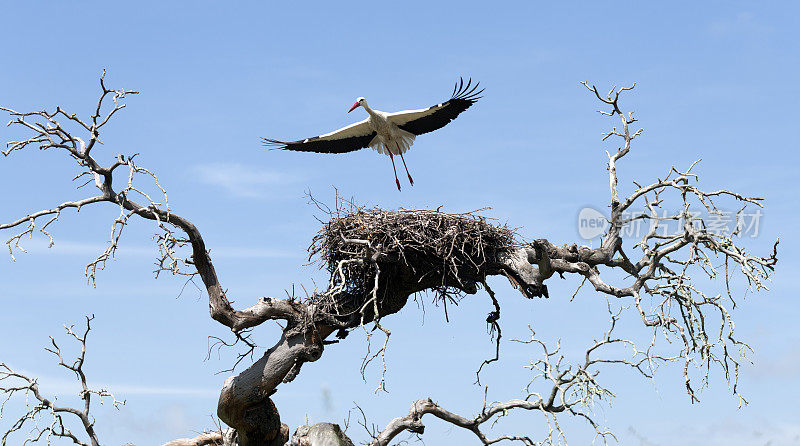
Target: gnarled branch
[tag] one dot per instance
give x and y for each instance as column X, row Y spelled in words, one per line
column 377, row 259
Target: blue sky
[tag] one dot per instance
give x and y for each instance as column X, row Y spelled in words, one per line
column 715, row 81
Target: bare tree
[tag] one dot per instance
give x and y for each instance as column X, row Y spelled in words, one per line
column 377, row 259
column 12, row 383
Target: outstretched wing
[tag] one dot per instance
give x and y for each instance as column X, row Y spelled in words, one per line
column 347, row 139
column 439, row 115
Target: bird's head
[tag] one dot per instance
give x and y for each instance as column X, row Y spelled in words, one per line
column 360, row 102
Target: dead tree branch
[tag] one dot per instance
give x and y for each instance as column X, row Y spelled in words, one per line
column 204, row 439
column 58, row 130
column 572, row 389
column 377, row 259
column 12, row 383
column 319, row 434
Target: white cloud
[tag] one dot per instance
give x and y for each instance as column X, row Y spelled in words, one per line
column 152, row 426
column 728, row 431
column 63, row 386
column 73, row 248
column 239, row 179
column 252, row 253
column 784, row 365
column 742, row 24
column 67, row 247
column 134, row 389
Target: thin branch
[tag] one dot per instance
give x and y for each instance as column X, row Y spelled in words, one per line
column 12, row 383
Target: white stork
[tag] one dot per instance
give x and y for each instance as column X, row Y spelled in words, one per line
column 387, row 133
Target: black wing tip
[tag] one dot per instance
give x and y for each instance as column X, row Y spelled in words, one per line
column 464, row 92
column 274, row 144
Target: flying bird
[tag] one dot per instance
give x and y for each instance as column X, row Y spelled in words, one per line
column 387, row 133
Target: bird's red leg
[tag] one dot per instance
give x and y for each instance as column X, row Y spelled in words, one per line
column 393, row 167
column 410, row 180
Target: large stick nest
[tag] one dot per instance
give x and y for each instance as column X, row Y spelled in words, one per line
column 378, row 257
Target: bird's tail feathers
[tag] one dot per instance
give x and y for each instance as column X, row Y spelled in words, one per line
column 401, row 145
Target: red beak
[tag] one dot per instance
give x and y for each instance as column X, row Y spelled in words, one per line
column 353, row 107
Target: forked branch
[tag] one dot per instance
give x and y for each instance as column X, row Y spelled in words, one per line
column 556, row 388
column 377, row 259
column 40, row 406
